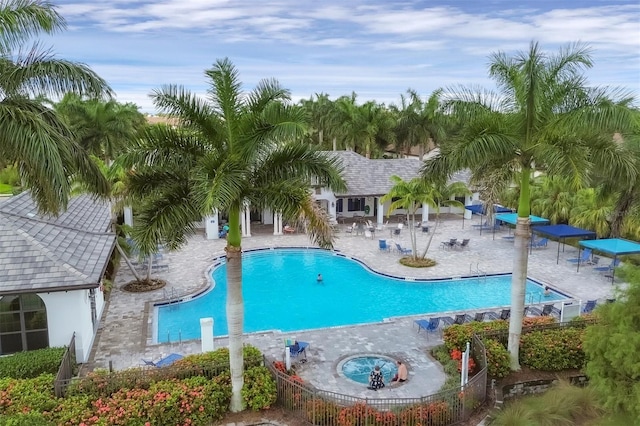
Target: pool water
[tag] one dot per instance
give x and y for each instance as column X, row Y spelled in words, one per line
column 359, row 368
column 281, row 292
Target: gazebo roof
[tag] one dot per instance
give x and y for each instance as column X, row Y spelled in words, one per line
column 564, row 231
column 614, row 246
column 48, row 253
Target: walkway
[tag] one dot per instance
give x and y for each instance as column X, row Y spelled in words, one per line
column 124, row 336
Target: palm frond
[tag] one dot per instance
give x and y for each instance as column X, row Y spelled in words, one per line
column 21, row 20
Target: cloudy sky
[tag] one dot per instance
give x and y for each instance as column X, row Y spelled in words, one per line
column 377, row 49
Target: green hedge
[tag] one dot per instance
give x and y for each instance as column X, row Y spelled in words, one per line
column 553, row 350
column 456, row 336
column 259, row 391
column 31, row 364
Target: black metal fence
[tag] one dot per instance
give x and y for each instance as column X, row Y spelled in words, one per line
column 319, row 407
column 67, row 368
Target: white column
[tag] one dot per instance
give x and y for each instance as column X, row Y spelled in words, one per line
column 128, row 215
column 246, row 221
column 380, row 212
column 467, row 201
column 332, row 210
column 211, row 226
column 206, row 334
column 277, row 223
column 425, row 212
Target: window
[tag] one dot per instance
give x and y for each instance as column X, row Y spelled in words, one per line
column 339, row 205
column 462, row 199
column 23, row 324
column 355, row 204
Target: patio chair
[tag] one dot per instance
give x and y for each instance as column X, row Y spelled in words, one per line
column 368, row 234
column 403, row 250
column 608, row 268
column 462, row 244
column 349, row 229
column 298, row 350
column 383, row 246
column 505, row 314
column 429, row 326
column 461, row 319
column 541, row 243
column 546, row 311
column 589, row 306
column 584, row 258
column 360, row 229
column 481, row 225
column 289, row 229
column 163, row 362
column 448, row 244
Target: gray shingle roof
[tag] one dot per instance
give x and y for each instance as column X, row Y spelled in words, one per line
column 366, row 177
column 41, row 252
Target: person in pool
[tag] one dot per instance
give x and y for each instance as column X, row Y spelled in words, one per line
column 319, row 279
column 547, row 291
column 376, row 379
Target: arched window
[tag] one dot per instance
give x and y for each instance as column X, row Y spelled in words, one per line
column 23, row 323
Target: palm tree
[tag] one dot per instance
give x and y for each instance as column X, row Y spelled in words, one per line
column 552, row 198
column 102, row 128
column 412, row 194
column 230, row 149
column 32, row 136
column 423, row 121
column 546, row 117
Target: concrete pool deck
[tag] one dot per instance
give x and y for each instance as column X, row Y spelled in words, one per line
column 124, row 336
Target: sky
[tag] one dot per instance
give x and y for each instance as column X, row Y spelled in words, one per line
column 377, row 49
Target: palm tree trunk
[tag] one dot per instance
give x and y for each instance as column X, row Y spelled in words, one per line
column 335, row 144
column 235, row 308
column 127, row 261
column 518, row 285
column 520, row 265
column 620, row 211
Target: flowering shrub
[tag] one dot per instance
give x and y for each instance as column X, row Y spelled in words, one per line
column 321, row 413
column 432, row 414
column 533, row 321
column 456, row 355
column 498, row 361
column 456, row 336
column 362, row 414
column 25, row 395
column 553, row 350
column 220, row 359
column 259, row 391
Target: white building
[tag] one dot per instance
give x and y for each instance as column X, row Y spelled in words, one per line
column 50, row 272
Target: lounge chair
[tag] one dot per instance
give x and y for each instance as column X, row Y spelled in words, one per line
column 589, row 306
column 163, row 362
column 608, row 268
column 461, row 319
column 541, row 243
column 429, row 326
column 289, row 229
column 479, row 317
column 505, row 314
column 403, row 250
column 584, row 258
column 546, row 311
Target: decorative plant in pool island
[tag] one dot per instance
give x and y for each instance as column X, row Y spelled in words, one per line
column 230, row 151
column 409, row 196
column 545, row 117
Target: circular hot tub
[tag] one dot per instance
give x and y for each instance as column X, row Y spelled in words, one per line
column 358, row 368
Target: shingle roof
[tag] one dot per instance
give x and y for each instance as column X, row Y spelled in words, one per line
column 41, row 252
column 366, row 177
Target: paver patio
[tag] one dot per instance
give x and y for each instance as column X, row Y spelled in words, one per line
column 125, row 333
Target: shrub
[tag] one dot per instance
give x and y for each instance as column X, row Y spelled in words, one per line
column 533, row 321
column 31, row 364
column 456, row 336
column 259, row 391
column 363, row 414
column 449, row 366
column 498, row 361
column 219, row 359
column 25, row 395
column 553, row 350
column 321, row 413
column 31, row 418
column 432, row 414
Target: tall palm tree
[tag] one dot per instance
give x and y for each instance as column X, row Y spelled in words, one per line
column 552, row 198
column 423, row 121
column 31, row 135
column 102, row 128
column 230, row 149
column 545, row 116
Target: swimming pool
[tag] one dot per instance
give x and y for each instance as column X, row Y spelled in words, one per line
column 281, row 292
